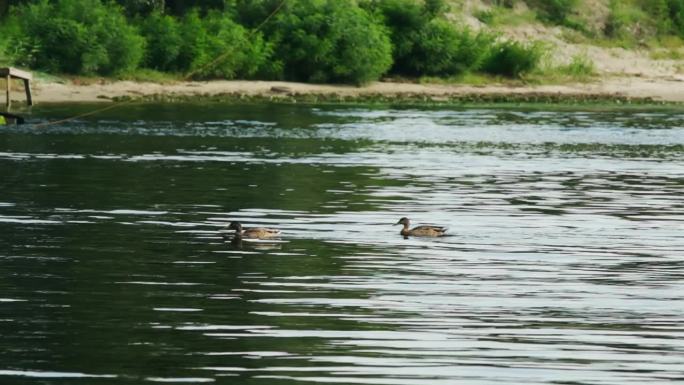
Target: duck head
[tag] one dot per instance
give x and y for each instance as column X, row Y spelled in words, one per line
column 403, row 221
column 235, row 225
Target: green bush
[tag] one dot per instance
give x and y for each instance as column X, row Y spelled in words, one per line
column 193, row 36
column 14, row 51
column 141, row 7
column 404, row 19
column 442, row 50
column 512, row 58
column 330, row 41
column 78, row 36
column 625, row 21
column 224, row 49
column 425, row 43
column 668, row 14
column 164, row 41
column 252, row 13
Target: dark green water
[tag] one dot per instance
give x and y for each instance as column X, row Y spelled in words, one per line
column 565, row 264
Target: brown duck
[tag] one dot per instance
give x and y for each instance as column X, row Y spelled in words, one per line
column 252, row 232
column 420, row 231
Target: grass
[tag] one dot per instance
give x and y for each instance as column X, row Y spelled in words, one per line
column 667, row 54
column 580, row 67
column 501, row 16
column 148, row 75
column 471, row 79
column 667, row 48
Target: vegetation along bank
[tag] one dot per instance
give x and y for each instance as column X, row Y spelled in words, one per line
column 356, row 42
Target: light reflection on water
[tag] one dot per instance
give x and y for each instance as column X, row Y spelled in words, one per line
column 564, row 263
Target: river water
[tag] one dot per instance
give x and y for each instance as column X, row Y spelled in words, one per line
column 565, row 263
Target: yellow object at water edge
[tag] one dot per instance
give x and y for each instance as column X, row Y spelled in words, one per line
column 2, row 120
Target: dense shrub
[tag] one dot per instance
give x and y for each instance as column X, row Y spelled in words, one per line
column 330, row 41
column 404, row 19
column 164, row 42
column 626, row 21
column 344, row 41
column 442, row 50
column 427, row 44
column 141, row 7
column 512, row 58
column 213, row 46
column 78, row 36
column 193, row 35
column 668, row 15
column 221, row 48
column 8, row 45
column 252, row 13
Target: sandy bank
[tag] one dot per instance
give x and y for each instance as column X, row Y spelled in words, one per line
column 665, row 88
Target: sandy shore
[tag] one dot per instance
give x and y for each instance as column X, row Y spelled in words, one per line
column 665, row 88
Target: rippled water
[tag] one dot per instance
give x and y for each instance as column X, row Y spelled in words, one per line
column 565, row 263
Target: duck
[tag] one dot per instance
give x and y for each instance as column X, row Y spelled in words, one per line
column 420, row 231
column 252, row 232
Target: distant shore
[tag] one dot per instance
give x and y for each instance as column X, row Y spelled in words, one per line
column 662, row 89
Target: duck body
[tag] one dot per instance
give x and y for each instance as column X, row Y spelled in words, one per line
column 420, row 231
column 253, row 232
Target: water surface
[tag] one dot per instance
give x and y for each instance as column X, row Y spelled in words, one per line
column 565, row 264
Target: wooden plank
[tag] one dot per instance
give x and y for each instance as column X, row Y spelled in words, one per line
column 16, row 73
column 10, row 72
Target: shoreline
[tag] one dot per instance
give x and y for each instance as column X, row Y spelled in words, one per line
column 617, row 90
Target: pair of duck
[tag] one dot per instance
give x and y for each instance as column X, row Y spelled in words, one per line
column 406, row 231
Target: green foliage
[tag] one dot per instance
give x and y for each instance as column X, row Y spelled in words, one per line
column 626, row 21
column 11, row 49
column 77, row 36
column 556, row 11
column 486, row 16
column 225, row 49
column 560, row 12
column 330, row 41
column 404, row 19
column 141, row 7
column 180, row 7
column 345, row 41
column 193, row 35
column 164, row 41
column 435, row 8
column 512, row 58
column 441, row 49
column 668, row 15
column 252, row 13
column 579, row 67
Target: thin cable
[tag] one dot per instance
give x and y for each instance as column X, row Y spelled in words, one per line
column 109, row 107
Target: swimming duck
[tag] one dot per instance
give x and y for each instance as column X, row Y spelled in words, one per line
column 420, row 231
column 252, row 232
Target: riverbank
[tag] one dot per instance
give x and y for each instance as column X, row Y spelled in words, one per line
column 637, row 88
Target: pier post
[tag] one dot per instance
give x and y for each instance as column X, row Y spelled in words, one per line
column 8, row 81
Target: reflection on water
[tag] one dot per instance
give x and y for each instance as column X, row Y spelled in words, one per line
column 564, row 264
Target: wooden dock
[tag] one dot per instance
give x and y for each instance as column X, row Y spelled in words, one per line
column 10, row 73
